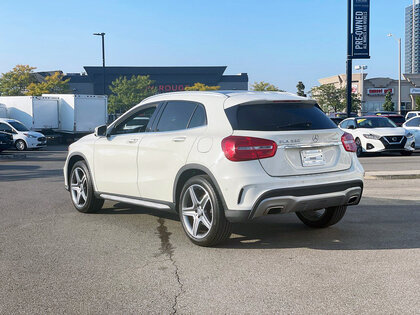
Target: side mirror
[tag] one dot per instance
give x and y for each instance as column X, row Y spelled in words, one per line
column 100, row 131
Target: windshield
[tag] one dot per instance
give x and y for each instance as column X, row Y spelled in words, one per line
column 375, row 122
column 18, row 126
column 278, row 117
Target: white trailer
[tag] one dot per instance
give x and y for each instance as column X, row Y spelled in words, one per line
column 35, row 112
column 3, row 111
column 80, row 114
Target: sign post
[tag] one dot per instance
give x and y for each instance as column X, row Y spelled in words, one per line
column 357, row 41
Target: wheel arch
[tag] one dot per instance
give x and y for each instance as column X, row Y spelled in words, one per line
column 73, row 159
column 188, row 171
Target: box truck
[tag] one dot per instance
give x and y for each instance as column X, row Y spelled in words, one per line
column 35, row 112
column 80, row 114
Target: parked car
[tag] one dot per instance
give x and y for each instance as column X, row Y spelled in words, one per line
column 413, row 126
column 337, row 120
column 219, row 157
column 378, row 134
column 342, row 115
column 6, row 141
column 412, row 114
column 23, row 137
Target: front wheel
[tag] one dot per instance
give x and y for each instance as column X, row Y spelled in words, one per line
column 81, row 189
column 322, row 218
column 406, row 153
column 20, row 145
column 201, row 212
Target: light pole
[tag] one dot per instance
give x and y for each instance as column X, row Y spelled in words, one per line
column 103, row 59
column 362, row 94
column 399, row 73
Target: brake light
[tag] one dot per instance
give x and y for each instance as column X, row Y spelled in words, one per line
column 348, row 142
column 238, row 148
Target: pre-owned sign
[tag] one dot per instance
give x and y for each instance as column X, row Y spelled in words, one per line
column 361, row 29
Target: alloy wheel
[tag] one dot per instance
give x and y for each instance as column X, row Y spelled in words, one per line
column 79, row 187
column 197, row 211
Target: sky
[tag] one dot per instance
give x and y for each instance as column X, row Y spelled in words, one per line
column 277, row 41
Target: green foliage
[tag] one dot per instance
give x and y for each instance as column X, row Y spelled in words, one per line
column 129, row 92
column 301, row 89
column 52, row 84
column 333, row 99
column 16, row 81
column 417, row 103
column 201, row 87
column 388, row 105
column 265, row 86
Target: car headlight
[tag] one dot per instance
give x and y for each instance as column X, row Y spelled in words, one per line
column 371, row 136
column 30, row 136
column 410, row 135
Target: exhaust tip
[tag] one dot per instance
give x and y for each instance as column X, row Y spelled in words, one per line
column 353, row 200
column 275, row 210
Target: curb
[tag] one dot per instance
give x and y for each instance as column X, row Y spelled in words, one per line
column 392, row 175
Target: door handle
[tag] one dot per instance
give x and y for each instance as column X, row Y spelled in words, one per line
column 133, row 140
column 179, row 139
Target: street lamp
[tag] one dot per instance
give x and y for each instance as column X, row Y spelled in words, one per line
column 399, row 73
column 361, row 68
column 103, row 58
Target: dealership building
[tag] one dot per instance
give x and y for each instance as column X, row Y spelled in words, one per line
column 167, row 79
column 372, row 91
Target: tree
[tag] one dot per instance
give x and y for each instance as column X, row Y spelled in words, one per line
column 265, row 86
column 331, row 98
column 201, row 87
column 417, row 103
column 16, row 81
column 129, row 92
column 388, row 105
column 52, row 84
column 301, row 89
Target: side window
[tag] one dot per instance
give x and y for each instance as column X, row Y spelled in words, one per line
column 345, row 124
column 199, row 117
column 352, row 123
column 136, row 122
column 415, row 122
column 411, row 115
column 176, row 116
column 5, row 128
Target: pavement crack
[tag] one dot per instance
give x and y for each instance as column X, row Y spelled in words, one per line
column 167, row 249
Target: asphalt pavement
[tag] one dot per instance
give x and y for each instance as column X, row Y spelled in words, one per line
column 127, row 259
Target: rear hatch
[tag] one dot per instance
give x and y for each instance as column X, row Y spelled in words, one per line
column 308, row 142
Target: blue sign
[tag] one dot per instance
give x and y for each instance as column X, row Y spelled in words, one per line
column 361, row 29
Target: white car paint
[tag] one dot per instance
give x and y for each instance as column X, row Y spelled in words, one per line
column 413, row 126
column 376, row 136
column 412, row 114
column 145, row 166
column 31, row 138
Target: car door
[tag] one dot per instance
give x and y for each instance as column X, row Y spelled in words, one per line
column 413, row 125
column 115, row 156
column 163, row 152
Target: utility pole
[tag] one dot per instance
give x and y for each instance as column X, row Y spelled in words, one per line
column 349, row 59
column 399, row 73
column 103, row 59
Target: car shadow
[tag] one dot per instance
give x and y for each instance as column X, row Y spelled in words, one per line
column 373, row 225
column 18, row 172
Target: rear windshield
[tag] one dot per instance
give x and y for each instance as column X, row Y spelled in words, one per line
column 397, row 119
column 278, row 117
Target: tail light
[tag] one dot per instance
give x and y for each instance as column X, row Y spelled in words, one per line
column 348, row 142
column 238, row 148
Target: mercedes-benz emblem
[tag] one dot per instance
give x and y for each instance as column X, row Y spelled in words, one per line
column 315, row 138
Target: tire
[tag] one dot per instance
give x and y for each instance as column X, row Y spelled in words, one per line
column 203, row 220
column 81, row 189
column 328, row 217
column 359, row 151
column 20, row 145
column 406, row 153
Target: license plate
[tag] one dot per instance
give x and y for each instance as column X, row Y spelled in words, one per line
column 312, row 158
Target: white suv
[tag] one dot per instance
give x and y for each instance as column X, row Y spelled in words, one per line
column 218, row 158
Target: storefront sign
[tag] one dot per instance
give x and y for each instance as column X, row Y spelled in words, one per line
column 379, row 92
column 361, row 29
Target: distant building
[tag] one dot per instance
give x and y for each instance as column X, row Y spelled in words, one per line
column 167, row 79
column 412, row 56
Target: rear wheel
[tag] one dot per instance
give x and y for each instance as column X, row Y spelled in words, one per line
column 406, row 153
column 322, row 218
column 359, row 150
column 202, row 213
column 81, row 189
column 20, row 145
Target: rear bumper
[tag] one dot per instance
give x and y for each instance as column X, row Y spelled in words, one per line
column 301, row 199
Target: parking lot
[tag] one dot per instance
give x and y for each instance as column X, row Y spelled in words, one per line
column 127, row 259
